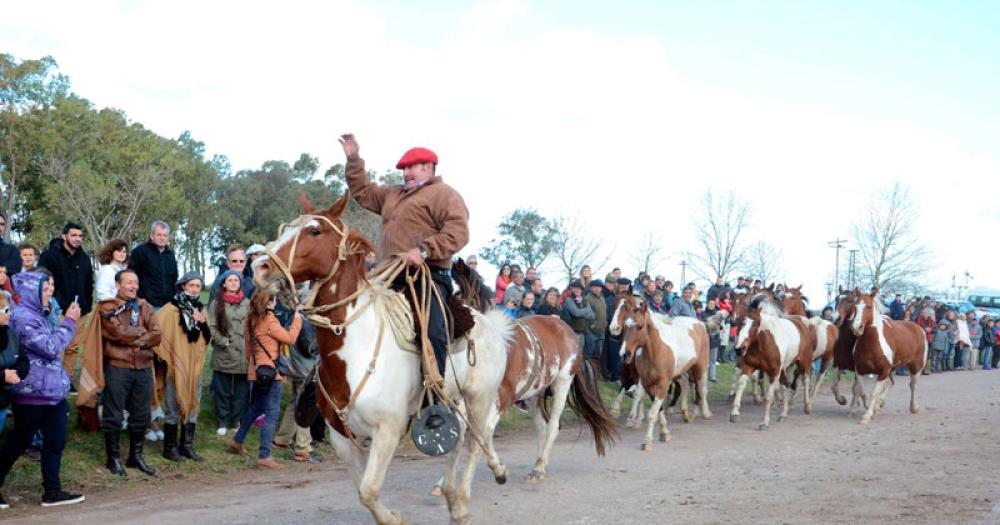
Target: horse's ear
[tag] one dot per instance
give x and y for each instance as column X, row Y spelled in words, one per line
column 338, row 207
column 771, row 287
column 857, row 291
column 307, row 207
column 875, row 292
column 643, row 307
column 841, row 289
column 459, row 266
column 799, row 289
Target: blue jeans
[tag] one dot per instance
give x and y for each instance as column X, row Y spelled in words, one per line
column 269, row 404
column 593, row 344
column 614, row 360
column 988, row 357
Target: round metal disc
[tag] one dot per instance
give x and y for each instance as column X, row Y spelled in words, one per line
column 438, row 441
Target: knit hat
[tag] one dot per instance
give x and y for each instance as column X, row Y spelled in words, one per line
column 255, row 248
column 189, row 276
column 225, row 275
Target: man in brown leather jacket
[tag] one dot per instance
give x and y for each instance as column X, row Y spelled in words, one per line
column 129, row 332
column 423, row 219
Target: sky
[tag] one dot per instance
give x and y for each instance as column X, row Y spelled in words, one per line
column 621, row 115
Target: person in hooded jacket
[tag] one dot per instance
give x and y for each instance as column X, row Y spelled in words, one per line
column 73, row 276
column 40, row 398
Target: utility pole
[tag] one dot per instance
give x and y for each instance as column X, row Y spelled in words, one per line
column 853, row 270
column 838, row 244
column 829, row 291
column 683, row 276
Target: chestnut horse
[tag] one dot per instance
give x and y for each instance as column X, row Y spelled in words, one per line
column 544, row 358
column 882, row 347
column 772, row 344
column 740, row 309
column 665, row 350
column 369, row 385
column 823, row 331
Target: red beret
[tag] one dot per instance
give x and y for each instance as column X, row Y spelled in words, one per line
column 417, row 156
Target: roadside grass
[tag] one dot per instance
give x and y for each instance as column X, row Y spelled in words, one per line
column 83, row 458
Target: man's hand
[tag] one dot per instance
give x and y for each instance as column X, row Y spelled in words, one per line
column 198, row 316
column 73, row 312
column 350, row 145
column 10, row 377
column 4, row 319
column 413, row 258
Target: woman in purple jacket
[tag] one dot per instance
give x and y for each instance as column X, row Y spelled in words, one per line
column 40, row 399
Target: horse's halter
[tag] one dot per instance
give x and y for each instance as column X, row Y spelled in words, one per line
column 286, row 268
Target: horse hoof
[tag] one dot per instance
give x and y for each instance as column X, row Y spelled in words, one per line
column 461, row 521
column 914, row 409
column 707, row 415
column 502, row 476
column 865, row 420
column 762, row 427
column 646, row 447
column 734, row 418
column 398, row 518
column 842, row 401
column 664, row 438
column 535, row 477
column 437, row 492
column 779, row 419
column 758, row 402
column 687, row 417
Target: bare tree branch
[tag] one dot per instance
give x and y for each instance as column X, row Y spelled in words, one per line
column 575, row 247
column 719, row 227
column 892, row 256
column 647, row 252
column 764, row 262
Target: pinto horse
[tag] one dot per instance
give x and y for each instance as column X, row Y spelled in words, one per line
column 772, row 344
column 883, row 346
column 741, row 306
column 368, row 384
column 664, row 350
column 823, row 332
column 624, row 307
column 544, row 358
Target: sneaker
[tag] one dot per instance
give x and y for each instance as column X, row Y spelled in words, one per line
column 160, row 435
column 54, row 499
column 3, row 503
column 236, row 448
column 221, row 431
column 33, row 453
column 275, row 444
column 72, row 389
column 151, row 435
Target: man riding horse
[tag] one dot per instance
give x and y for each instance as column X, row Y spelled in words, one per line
column 424, row 219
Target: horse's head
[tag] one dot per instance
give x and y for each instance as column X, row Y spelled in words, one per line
column 747, row 335
column 469, row 286
column 866, row 312
column 845, row 306
column 637, row 337
column 740, row 307
column 622, row 309
column 311, row 247
column 793, row 302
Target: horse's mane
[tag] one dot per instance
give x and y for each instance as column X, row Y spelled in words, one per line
column 470, row 286
column 765, row 304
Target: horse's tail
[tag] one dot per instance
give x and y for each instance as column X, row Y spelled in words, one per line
column 586, row 401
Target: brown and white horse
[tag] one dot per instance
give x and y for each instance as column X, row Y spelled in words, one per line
column 774, row 345
column 741, row 307
column 368, row 385
column 544, row 358
column 823, row 331
column 625, row 306
column 665, row 350
column 881, row 347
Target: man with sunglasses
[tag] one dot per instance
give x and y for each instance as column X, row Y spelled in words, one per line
column 236, row 260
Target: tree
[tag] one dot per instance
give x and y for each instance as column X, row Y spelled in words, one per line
column 575, row 247
column 24, row 88
column 719, row 226
column 893, row 258
column 647, row 252
column 764, row 262
column 525, row 236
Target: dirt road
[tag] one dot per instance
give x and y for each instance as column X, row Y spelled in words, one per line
column 940, row 466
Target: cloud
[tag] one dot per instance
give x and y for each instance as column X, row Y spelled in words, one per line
column 494, row 15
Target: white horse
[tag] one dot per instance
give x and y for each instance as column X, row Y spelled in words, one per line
column 368, row 385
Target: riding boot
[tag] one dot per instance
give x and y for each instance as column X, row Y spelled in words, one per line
column 187, row 443
column 114, row 463
column 135, row 459
column 170, row 442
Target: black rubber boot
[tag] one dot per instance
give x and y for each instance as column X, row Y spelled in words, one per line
column 170, row 442
column 187, row 443
column 135, row 459
column 114, row 463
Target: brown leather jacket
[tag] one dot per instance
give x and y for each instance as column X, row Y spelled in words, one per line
column 127, row 346
column 433, row 216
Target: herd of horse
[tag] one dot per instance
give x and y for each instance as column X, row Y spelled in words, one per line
column 370, row 384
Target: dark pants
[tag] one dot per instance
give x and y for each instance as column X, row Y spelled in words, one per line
column 613, row 359
column 230, row 393
column 269, row 404
column 435, row 323
column 593, row 344
column 126, row 389
column 28, row 419
column 959, row 358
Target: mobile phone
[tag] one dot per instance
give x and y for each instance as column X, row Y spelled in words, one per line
column 75, row 297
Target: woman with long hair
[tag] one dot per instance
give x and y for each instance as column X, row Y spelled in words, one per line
column 550, row 303
column 230, row 387
column 503, row 280
column 112, row 258
column 263, row 340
